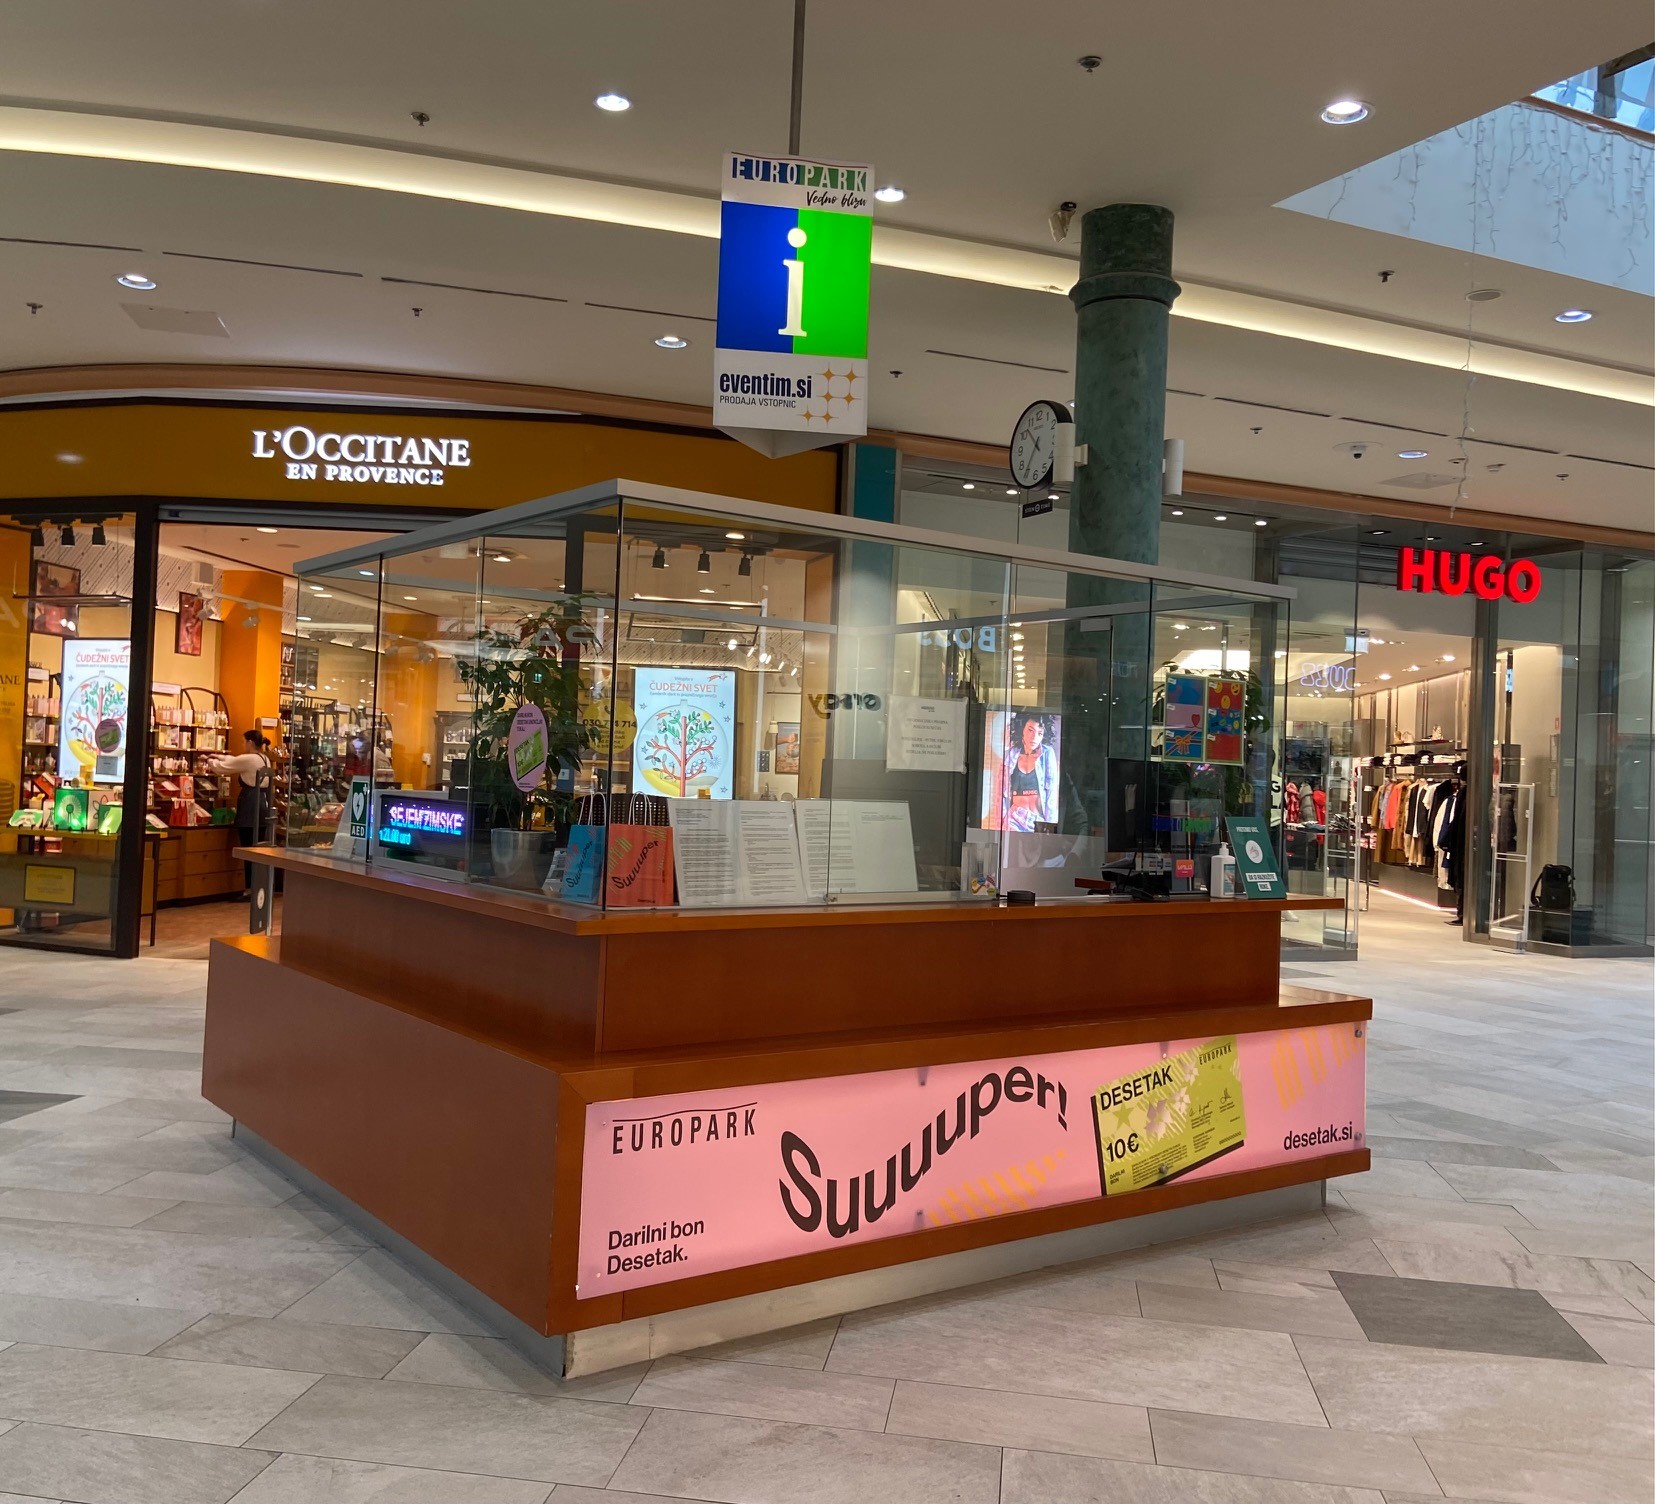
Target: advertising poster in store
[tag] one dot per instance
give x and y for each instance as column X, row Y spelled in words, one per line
column 1183, row 715
column 1226, row 717
column 790, row 369
column 187, row 637
column 93, row 728
column 690, row 1184
column 1022, row 756
column 686, row 732
column 49, row 613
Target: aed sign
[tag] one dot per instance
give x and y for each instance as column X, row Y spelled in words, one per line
column 1429, row 569
column 374, row 459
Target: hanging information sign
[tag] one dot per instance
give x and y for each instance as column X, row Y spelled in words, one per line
column 790, row 371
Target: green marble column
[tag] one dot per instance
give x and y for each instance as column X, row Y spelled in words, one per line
column 1123, row 302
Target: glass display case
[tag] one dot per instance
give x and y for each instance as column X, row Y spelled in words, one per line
column 634, row 696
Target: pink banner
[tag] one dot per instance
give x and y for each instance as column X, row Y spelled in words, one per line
column 690, row 1184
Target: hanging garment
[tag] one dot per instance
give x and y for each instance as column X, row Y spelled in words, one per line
column 1439, row 796
column 1448, row 835
column 1290, row 800
column 1318, row 800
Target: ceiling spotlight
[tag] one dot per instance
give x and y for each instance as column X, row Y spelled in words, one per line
column 69, row 459
column 98, row 539
column 1221, row 517
column 613, row 104
column 1345, row 112
column 1574, row 316
column 37, row 536
column 745, row 568
column 660, row 559
column 1384, row 676
column 889, row 194
column 703, row 565
column 671, row 342
column 67, row 536
column 1412, row 454
column 137, row 281
column 732, row 644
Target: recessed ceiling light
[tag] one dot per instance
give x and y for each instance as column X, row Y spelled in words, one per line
column 1412, row 454
column 69, row 459
column 366, row 573
column 1430, row 537
column 889, row 194
column 410, row 597
column 1379, row 532
column 268, row 530
column 736, row 537
column 1574, row 316
column 1260, row 522
column 1482, row 295
column 1384, row 676
column 1016, row 636
column 970, row 485
column 304, row 618
column 1180, row 626
column 1413, row 668
column 498, row 559
column 1447, row 657
column 1177, row 513
column 613, row 103
column 1054, row 497
column 706, row 589
column 323, row 595
column 1221, row 517
column 1011, row 491
column 140, row 283
column 672, row 342
column 1478, row 543
column 1345, row 112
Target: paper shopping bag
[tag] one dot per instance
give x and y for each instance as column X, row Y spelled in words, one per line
column 639, row 866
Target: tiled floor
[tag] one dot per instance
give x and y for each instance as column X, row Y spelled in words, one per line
column 1471, row 1320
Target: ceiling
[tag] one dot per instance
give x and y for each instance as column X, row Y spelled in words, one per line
column 987, row 123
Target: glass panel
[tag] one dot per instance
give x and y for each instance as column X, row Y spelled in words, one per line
column 330, row 725
column 66, row 740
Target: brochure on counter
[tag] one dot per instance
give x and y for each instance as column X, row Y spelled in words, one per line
column 737, row 852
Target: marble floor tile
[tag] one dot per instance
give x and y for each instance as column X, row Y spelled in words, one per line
column 454, row 1430
column 1482, row 1129
column 1120, row 1360
column 103, row 1326
column 1594, row 1305
column 374, row 1290
column 1627, row 1241
column 1048, row 1478
column 1173, row 1264
column 1401, row 1177
column 1418, row 1227
column 729, row 1460
column 103, row 1467
column 293, row 1479
column 261, row 1342
column 161, row 1269
column 1520, row 1475
column 99, row 1391
column 804, row 1346
column 1479, row 1397
column 1315, row 1313
column 489, row 1363
column 1100, row 1292
column 1308, row 1454
column 1523, row 1271
column 1408, row 1208
column 243, row 1184
column 1311, row 1243
column 1273, row 1279
column 1564, row 1194
column 1038, row 1423
column 1436, row 1151
column 843, row 1400
column 1464, row 1318
column 299, row 1218
column 111, row 1210
column 1631, row 1344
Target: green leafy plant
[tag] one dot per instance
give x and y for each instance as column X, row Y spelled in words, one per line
column 535, row 659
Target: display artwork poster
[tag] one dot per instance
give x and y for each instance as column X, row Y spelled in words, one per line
column 1022, row 762
column 924, row 736
column 696, row 1182
column 92, row 733
column 187, row 636
column 1226, row 717
column 686, row 732
column 795, row 259
column 1184, row 717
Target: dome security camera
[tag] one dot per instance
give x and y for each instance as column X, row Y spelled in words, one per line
column 1355, row 451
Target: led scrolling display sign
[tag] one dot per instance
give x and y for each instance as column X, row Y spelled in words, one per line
column 1488, row 578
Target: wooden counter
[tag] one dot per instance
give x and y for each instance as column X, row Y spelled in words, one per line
column 429, row 1050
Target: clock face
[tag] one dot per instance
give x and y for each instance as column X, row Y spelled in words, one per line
column 1034, row 444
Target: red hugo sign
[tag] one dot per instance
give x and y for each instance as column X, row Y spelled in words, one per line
column 1489, row 578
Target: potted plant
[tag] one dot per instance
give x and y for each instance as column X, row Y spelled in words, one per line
column 535, row 660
